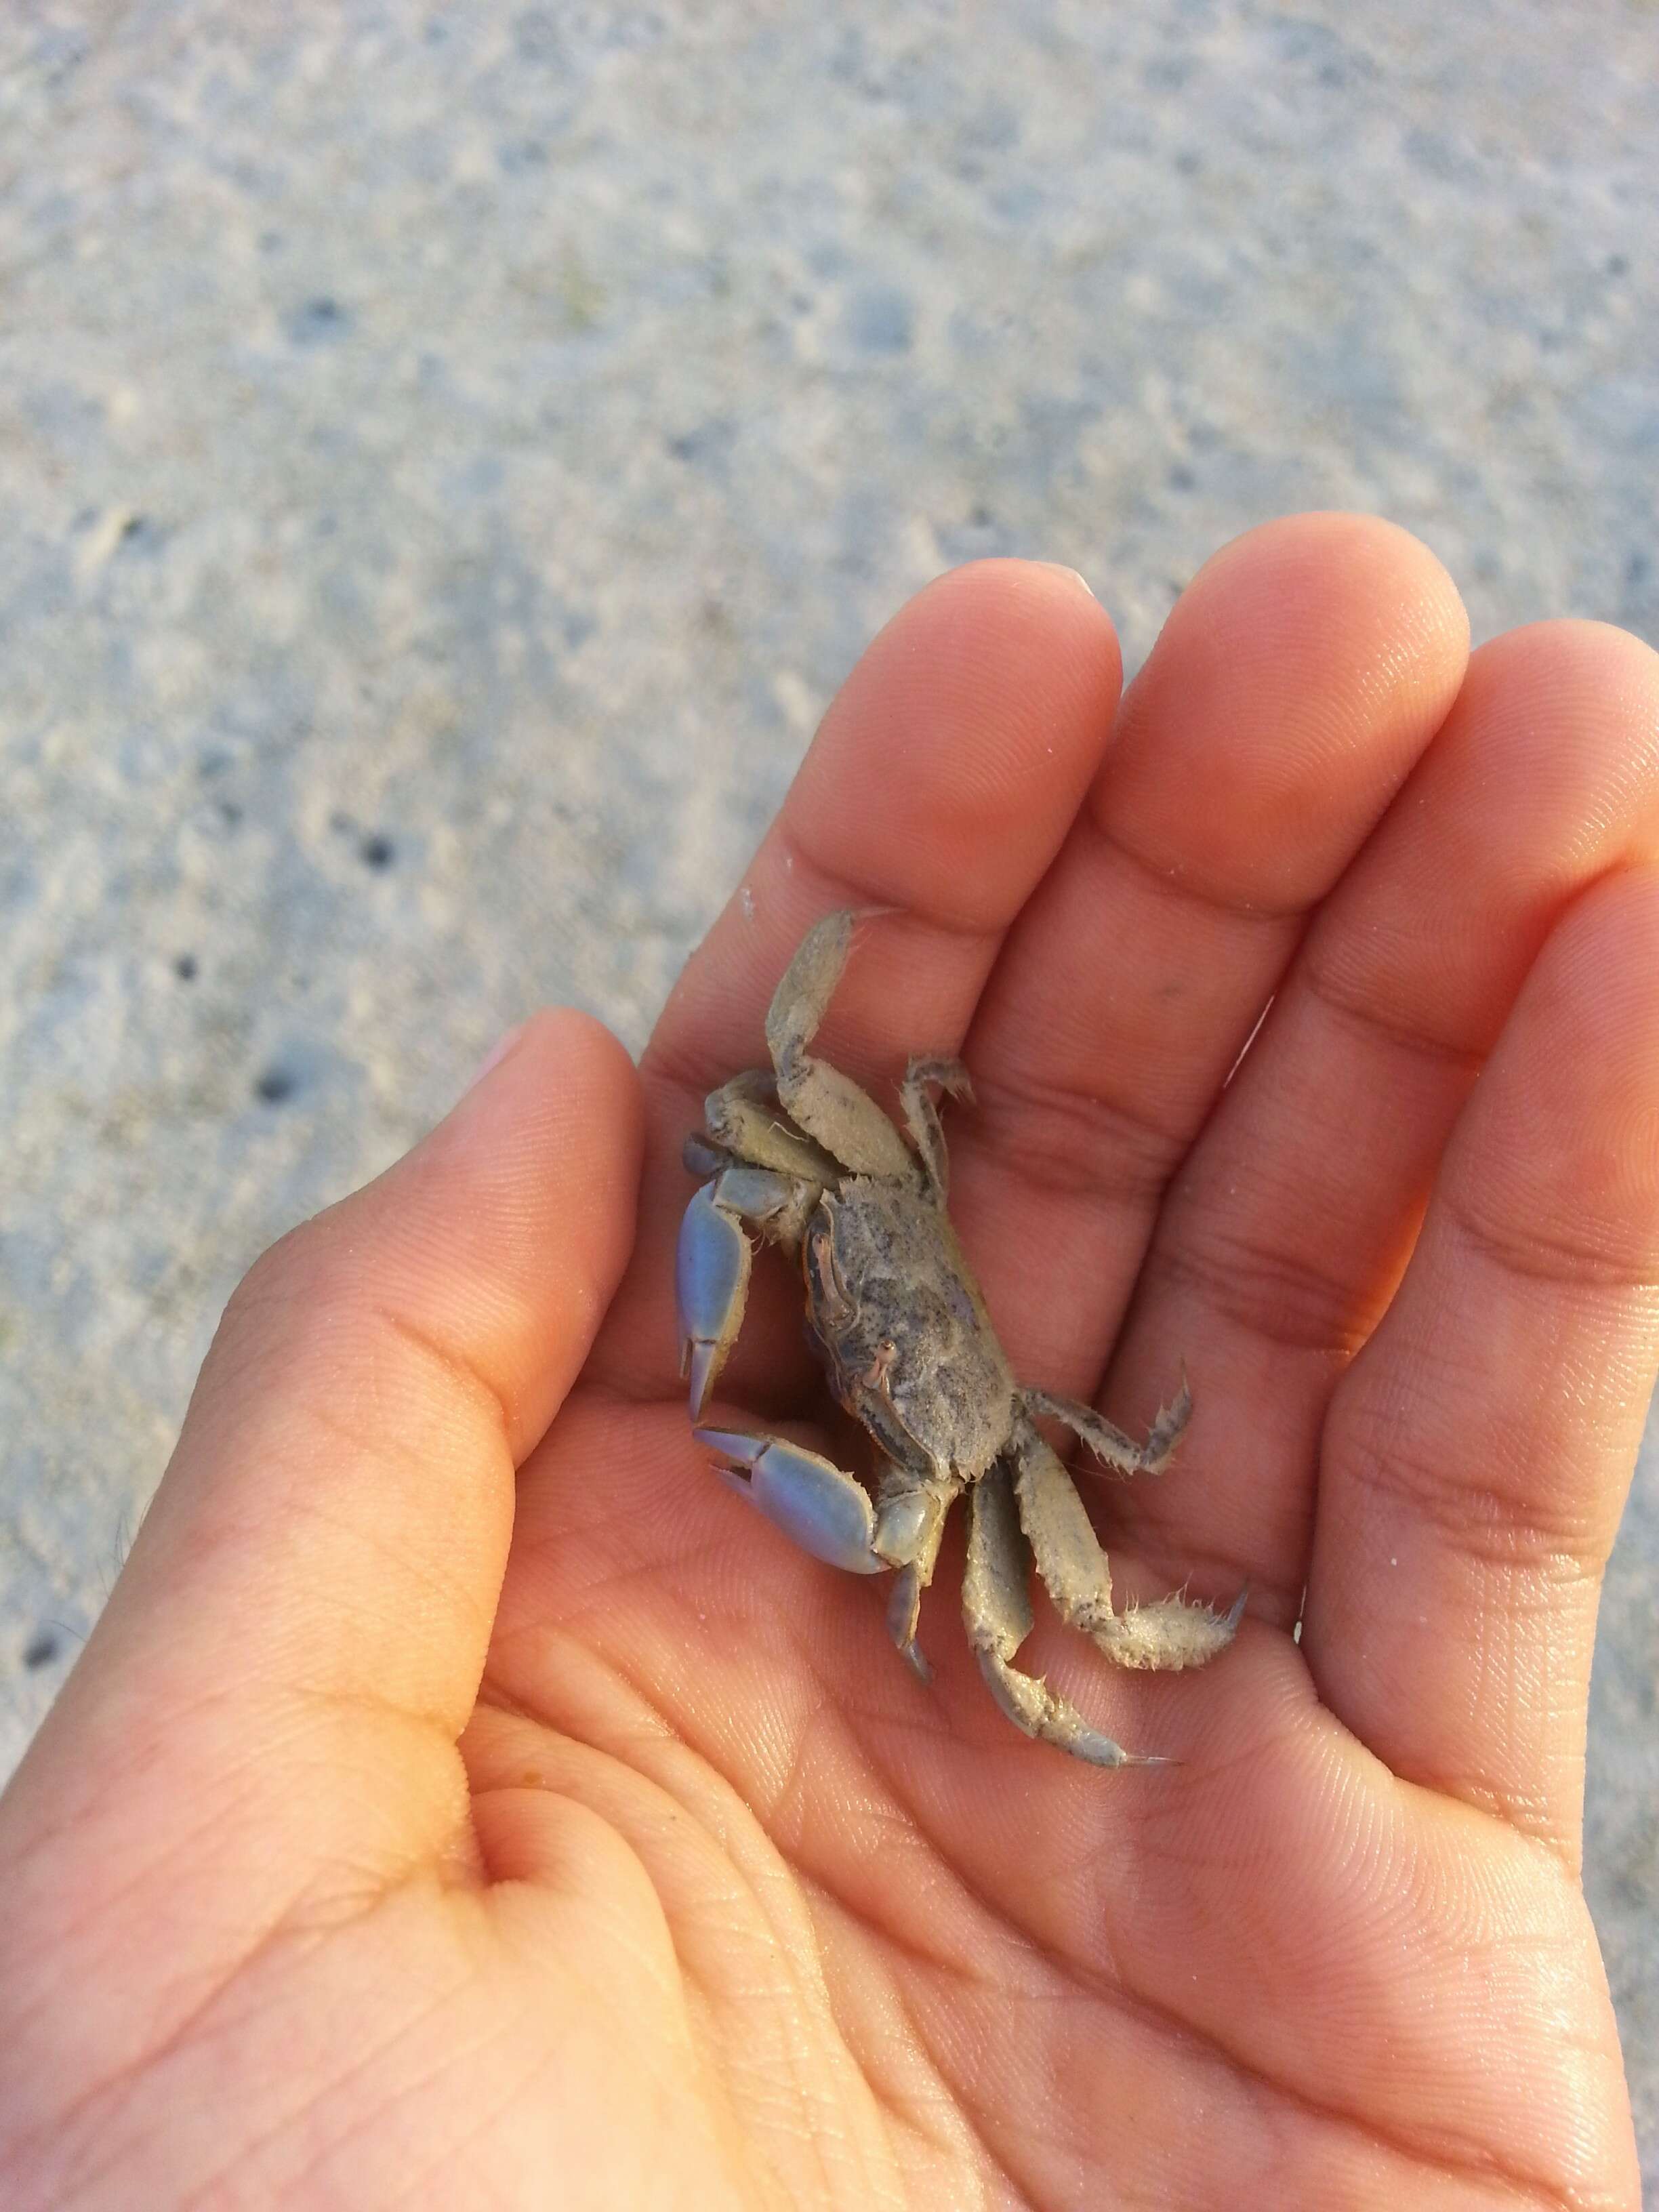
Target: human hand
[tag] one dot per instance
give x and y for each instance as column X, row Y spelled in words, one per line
column 408, row 1834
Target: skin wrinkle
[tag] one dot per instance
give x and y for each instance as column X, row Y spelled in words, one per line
column 1419, row 1906
column 674, row 1995
column 1109, row 1986
column 1176, row 881
column 601, row 1995
column 1555, row 1258
column 1277, row 1298
column 642, row 1950
column 1346, row 1005
column 369, row 1443
column 369, row 1620
column 1375, row 1412
column 835, row 887
column 465, row 1374
column 938, row 909
column 900, row 1937
column 927, row 2128
column 315, row 1321
column 777, row 1814
column 179, row 2037
column 192, row 1844
column 1482, row 1517
column 1182, row 2034
column 361, row 2065
column 1096, row 858
column 309, row 1314
column 361, row 1439
column 1283, row 768
column 1505, row 787
column 1245, row 1237
column 805, row 1973
column 1050, row 1138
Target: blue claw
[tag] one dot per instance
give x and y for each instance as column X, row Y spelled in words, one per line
column 711, row 1281
column 815, row 1504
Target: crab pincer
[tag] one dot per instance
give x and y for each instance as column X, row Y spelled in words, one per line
column 711, row 1282
column 825, row 1511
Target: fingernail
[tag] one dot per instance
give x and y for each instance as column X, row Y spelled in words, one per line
column 493, row 1059
column 1059, row 569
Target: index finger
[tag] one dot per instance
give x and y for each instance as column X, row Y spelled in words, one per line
column 940, row 785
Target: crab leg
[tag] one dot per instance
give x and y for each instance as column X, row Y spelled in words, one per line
column 921, row 1115
column 746, row 1120
column 819, row 1098
column 1169, row 1634
column 997, row 1606
column 1107, row 1441
column 816, row 1506
column 713, row 1259
column 910, row 1525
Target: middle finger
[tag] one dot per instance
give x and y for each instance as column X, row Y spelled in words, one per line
column 1294, row 686
column 944, row 780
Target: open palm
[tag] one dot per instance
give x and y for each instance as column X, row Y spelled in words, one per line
column 408, row 1834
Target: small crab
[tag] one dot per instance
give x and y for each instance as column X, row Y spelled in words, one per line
column 799, row 1155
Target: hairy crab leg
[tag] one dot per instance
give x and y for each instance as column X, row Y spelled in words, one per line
column 997, row 1606
column 1169, row 1634
column 814, row 1503
column 1107, row 1441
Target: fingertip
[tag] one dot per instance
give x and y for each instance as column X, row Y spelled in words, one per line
column 1598, row 969
column 539, row 1161
column 588, row 1052
column 1567, row 1138
column 1560, row 694
column 1296, row 684
column 1073, row 578
column 1327, row 560
column 949, row 767
column 1013, row 595
column 560, row 1078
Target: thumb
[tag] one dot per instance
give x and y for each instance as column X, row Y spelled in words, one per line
column 297, row 1638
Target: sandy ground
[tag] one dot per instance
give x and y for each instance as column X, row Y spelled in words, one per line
column 448, row 457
